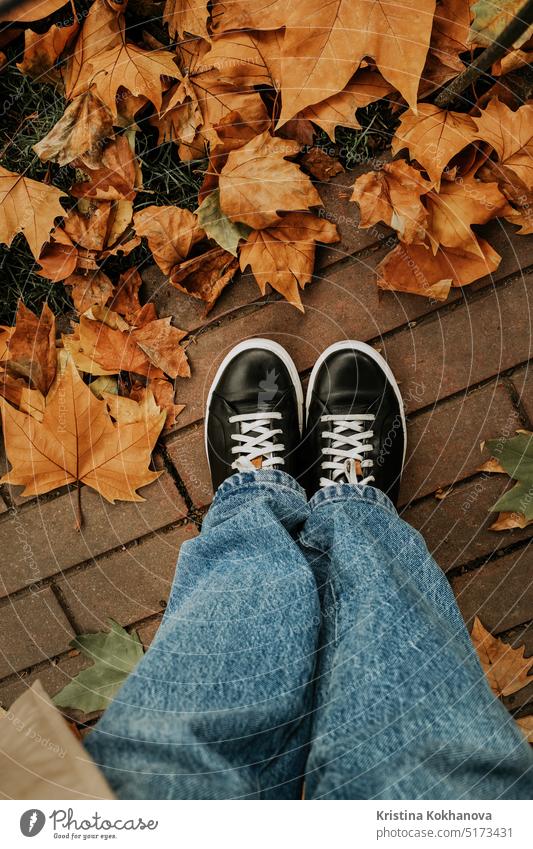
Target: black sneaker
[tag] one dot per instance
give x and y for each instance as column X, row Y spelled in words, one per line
column 355, row 427
column 254, row 411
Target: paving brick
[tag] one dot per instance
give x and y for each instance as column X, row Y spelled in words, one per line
column 32, row 629
column 42, row 539
column 187, row 453
column 443, row 443
column 53, row 677
column 523, row 383
column 463, row 347
column 128, row 585
column 148, row 631
column 456, row 528
column 499, row 592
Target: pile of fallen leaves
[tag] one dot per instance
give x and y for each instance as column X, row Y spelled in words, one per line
column 250, row 87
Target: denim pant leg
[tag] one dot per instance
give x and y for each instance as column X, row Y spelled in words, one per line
column 402, row 708
column 219, row 707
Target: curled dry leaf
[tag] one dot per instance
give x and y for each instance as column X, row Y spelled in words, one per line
column 160, row 342
column 79, row 133
column 31, row 348
column 505, row 667
column 29, row 207
column 393, row 195
column 77, row 441
column 507, row 521
column 164, row 395
column 415, row 269
column 257, row 182
column 205, row 276
column 42, row 50
column 126, row 296
column 202, row 101
column 180, row 117
column 433, row 137
column 59, row 257
column 284, row 255
column 170, row 232
column 449, row 39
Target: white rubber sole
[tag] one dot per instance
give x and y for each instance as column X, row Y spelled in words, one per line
column 353, row 345
column 265, row 345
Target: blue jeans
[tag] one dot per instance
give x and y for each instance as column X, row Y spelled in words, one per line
column 309, row 642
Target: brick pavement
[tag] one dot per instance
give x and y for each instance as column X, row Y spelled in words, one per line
column 464, row 371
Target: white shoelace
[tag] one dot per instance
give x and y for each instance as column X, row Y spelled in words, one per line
column 348, row 448
column 255, row 441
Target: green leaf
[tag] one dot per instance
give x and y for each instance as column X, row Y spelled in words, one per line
column 218, row 226
column 515, row 455
column 115, row 654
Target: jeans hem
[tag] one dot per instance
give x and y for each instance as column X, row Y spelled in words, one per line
column 352, row 492
column 271, row 479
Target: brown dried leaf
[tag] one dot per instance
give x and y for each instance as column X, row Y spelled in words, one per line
column 77, row 441
column 284, row 255
column 31, row 350
column 506, row 667
column 257, row 182
column 29, row 207
column 205, row 276
column 160, row 342
column 393, row 195
column 170, row 232
column 415, row 269
column 89, row 289
column 433, row 137
column 79, row 133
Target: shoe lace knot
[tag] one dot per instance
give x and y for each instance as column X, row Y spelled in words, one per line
column 345, row 459
column 256, row 446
